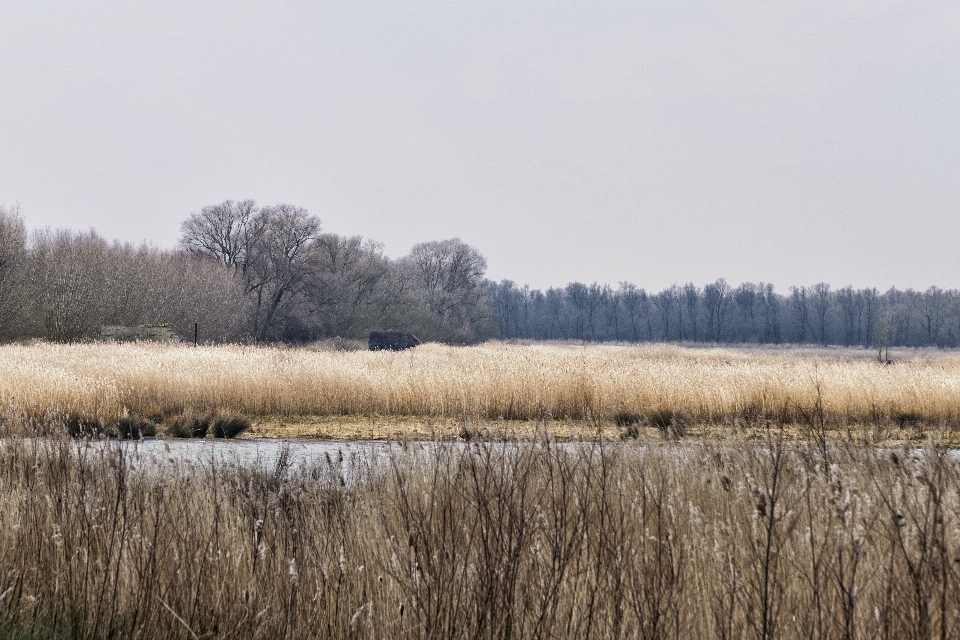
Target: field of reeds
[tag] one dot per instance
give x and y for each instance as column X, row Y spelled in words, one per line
column 608, row 386
column 531, row 539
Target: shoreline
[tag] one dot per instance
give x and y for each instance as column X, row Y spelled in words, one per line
column 426, row 428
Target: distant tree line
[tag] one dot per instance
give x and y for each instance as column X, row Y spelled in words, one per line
column 717, row 312
column 245, row 272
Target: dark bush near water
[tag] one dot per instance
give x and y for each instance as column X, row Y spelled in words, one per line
column 191, row 425
column 134, row 427
column 229, row 426
column 188, row 426
column 127, row 427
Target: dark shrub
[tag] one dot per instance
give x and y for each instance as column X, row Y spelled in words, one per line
column 907, row 420
column 229, row 426
column 133, row 427
column 82, row 425
column 630, row 432
column 629, row 422
column 188, row 426
column 661, row 419
column 670, row 424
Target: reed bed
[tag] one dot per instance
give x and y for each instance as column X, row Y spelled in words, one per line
column 484, row 540
column 490, row 382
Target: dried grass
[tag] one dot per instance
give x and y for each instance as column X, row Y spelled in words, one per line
column 103, row 382
column 529, row 539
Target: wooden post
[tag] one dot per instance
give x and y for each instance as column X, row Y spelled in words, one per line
column 195, row 326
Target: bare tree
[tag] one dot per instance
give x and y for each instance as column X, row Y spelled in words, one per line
column 821, row 305
column 611, row 308
column 883, row 335
column 716, row 299
column 345, row 288
column 770, row 304
column 691, row 298
column 746, row 298
column 554, row 304
column 450, row 273
column 227, row 232
column 635, row 301
column 677, row 294
column 72, row 271
column 851, row 305
column 269, row 248
column 871, row 307
column 899, row 305
column 598, row 297
column 932, row 308
column 279, row 262
column 511, row 306
column 664, row 302
column 576, row 296
column 801, row 309
column 14, row 292
column 189, row 289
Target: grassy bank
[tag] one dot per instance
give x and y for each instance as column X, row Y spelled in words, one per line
column 482, row 540
column 645, row 386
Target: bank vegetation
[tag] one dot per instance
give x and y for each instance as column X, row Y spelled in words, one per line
column 674, row 389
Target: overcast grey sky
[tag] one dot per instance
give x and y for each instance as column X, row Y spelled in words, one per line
column 655, row 142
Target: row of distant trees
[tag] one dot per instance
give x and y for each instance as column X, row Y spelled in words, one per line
column 717, row 312
column 245, row 272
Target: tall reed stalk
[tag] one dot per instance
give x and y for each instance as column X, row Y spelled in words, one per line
column 530, row 539
column 105, row 382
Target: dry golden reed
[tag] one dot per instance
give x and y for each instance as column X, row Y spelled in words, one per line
column 490, row 381
column 99, row 539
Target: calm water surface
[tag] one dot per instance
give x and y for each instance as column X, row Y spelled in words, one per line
column 263, row 452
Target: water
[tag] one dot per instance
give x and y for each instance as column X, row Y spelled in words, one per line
column 254, row 452
column 157, row 453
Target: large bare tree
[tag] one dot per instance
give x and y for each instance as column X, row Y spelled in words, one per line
column 450, row 273
column 347, row 291
column 269, row 248
column 279, row 263
column 227, row 232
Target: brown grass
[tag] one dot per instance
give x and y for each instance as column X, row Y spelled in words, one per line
column 424, row 428
column 529, row 539
column 643, row 385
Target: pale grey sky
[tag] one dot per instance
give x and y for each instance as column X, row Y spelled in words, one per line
column 656, row 142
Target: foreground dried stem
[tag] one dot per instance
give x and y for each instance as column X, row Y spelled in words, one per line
column 433, row 540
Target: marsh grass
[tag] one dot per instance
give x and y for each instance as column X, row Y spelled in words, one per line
column 674, row 389
column 229, row 425
column 189, row 424
column 530, row 539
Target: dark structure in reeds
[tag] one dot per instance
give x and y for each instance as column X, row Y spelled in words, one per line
column 139, row 333
column 392, row 341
